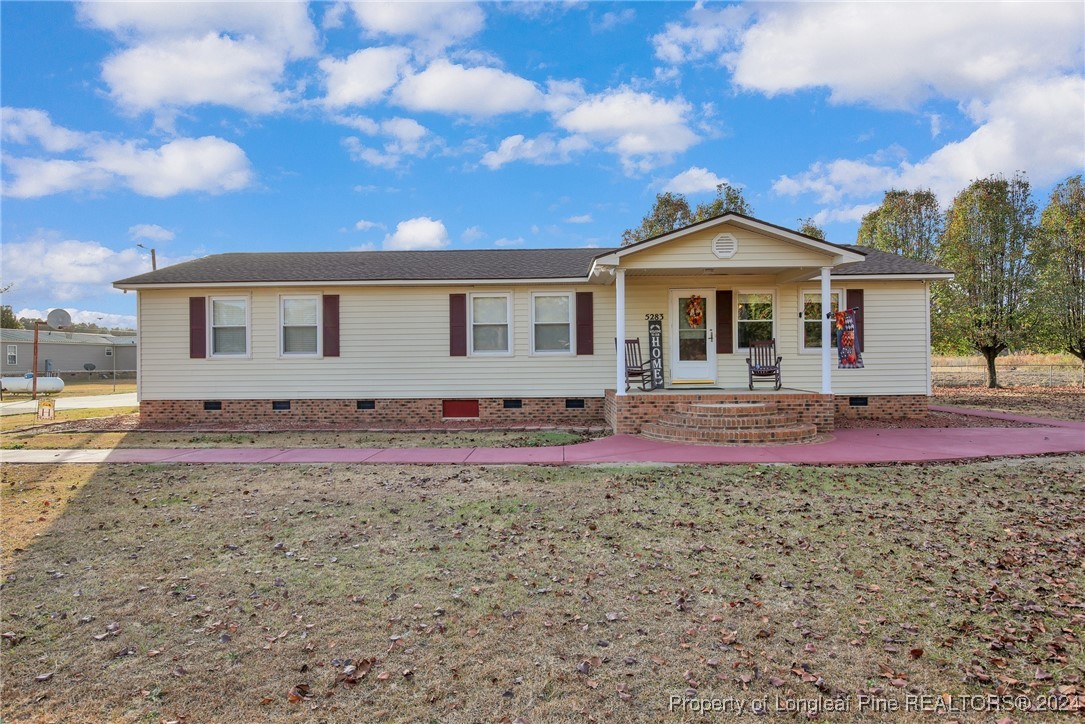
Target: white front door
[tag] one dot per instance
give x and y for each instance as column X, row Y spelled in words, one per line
column 693, row 342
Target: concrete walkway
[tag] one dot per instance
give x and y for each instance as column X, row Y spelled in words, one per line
column 22, row 407
column 844, row 447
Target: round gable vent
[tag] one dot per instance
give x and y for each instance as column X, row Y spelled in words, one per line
column 724, row 246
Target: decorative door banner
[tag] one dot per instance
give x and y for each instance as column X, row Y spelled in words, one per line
column 655, row 352
column 846, row 346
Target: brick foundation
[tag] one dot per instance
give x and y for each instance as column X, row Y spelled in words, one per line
column 400, row 414
column 881, row 406
column 628, row 413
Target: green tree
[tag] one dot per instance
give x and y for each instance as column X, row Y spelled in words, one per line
column 729, row 199
column 7, row 318
column 672, row 211
column 908, row 223
column 809, row 227
column 1059, row 258
column 990, row 227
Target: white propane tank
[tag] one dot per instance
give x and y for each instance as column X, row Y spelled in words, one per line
column 46, row 385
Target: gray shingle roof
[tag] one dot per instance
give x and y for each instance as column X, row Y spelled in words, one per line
column 332, row 266
column 883, row 263
column 436, row 266
column 53, row 337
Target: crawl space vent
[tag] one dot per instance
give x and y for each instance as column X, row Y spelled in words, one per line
column 724, row 246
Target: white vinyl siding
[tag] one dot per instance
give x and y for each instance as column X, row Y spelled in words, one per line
column 488, row 319
column 551, row 323
column 753, row 250
column 301, row 325
column 810, row 318
column 411, row 359
column 229, row 327
column 393, row 345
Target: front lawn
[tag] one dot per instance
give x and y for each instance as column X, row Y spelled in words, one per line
column 366, row 593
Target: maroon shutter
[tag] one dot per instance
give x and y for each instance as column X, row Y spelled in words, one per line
column 585, row 323
column 331, row 325
column 725, row 326
column 197, row 327
column 855, row 301
column 457, row 325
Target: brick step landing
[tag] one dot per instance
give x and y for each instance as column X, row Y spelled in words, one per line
column 749, row 423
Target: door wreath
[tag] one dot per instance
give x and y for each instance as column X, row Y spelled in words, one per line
column 695, row 311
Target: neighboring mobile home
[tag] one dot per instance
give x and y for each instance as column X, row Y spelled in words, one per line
column 527, row 336
column 66, row 353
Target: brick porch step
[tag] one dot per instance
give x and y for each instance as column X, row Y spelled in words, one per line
column 793, row 433
column 730, row 409
column 750, row 423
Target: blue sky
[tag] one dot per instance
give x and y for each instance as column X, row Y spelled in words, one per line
column 199, row 128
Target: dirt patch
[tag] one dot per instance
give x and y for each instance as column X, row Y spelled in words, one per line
column 346, row 593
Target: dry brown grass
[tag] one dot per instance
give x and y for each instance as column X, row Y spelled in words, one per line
column 47, row 439
column 1060, row 403
column 547, row 593
column 30, row 421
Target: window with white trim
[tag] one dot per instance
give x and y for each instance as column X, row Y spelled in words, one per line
column 754, row 321
column 300, row 325
column 490, row 323
column 108, row 351
column 229, row 328
column 810, row 318
column 13, row 354
column 552, row 323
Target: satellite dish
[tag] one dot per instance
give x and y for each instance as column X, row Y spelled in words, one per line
column 59, row 319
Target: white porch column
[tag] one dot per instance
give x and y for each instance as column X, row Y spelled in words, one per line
column 826, row 332
column 619, row 329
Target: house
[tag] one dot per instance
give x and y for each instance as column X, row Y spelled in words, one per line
column 416, row 338
column 66, row 353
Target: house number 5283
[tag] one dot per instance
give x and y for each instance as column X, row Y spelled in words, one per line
column 651, row 317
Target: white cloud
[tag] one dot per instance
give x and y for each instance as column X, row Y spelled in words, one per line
column 404, row 137
column 48, row 266
column 85, row 316
column 847, row 214
column 707, row 33
column 1012, row 69
column 208, row 164
column 505, row 243
column 642, row 129
column 542, row 149
column 472, row 234
column 190, row 71
column 418, row 233
column 27, row 125
column 694, row 180
column 1036, row 127
column 610, row 20
column 446, row 87
column 433, row 26
column 184, row 54
column 364, row 76
column 579, row 219
column 151, row 232
column 284, row 25
column 868, row 52
column 333, row 16
column 364, row 225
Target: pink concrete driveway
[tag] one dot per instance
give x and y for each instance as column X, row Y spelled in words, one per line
column 844, row 447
